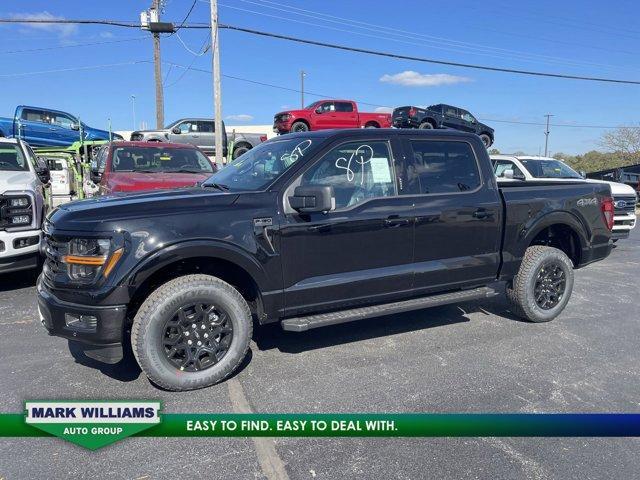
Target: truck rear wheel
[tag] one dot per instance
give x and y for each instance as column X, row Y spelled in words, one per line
column 191, row 332
column 543, row 285
column 425, row 126
column 486, row 139
column 299, row 127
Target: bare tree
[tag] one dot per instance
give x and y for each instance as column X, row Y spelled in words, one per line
column 624, row 141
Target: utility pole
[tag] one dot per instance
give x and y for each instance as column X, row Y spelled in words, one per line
column 302, row 75
column 546, row 136
column 217, row 94
column 155, row 6
column 133, row 107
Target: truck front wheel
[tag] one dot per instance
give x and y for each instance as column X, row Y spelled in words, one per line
column 486, row 139
column 425, row 126
column 191, row 332
column 543, row 285
column 299, row 127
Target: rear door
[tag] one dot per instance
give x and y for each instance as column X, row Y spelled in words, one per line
column 346, row 116
column 452, row 117
column 207, row 136
column 458, row 213
column 362, row 251
column 37, row 129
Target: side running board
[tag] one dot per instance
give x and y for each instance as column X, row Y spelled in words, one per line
column 300, row 324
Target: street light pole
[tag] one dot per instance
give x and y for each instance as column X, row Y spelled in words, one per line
column 546, row 136
column 133, row 107
column 302, row 75
column 217, row 94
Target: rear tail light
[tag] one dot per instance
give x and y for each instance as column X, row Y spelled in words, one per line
column 607, row 211
column 263, row 138
column 412, row 112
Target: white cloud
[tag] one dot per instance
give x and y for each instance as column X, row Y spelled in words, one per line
column 409, row 78
column 62, row 29
column 383, row 110
column 242, row 117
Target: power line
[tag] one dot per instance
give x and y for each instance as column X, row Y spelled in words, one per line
column 186, row 17
column 351, row 49
column 115, row 23
column 31, row 50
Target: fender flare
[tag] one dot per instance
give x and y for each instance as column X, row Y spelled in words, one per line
column 558, row 217
column 192, row 249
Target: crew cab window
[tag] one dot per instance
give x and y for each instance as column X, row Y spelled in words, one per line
column 186, row 127
column 452, row 112
column 206, row 127
column 12, row 158
column 501, row 165
column 326, row 107
column 442, row 167
column 436, row 108
column 467, row 117
column 357, row 171
column 63, row 120
column 344, row 107
column 32, row 115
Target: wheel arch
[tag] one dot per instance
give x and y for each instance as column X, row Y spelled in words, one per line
column 222, row 261
column 562, row 230
column 372, row 123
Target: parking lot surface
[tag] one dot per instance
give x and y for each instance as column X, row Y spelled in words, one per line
column 474, row 357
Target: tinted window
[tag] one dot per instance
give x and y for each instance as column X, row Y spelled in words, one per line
column 327, row 107
column 356, row 170
column 549, row 169
column 12, row 158
column 63, row 120
column 467, row 117
column 442, row 167
column 160, row 159
column 186, row 127
column 33, row 115
column 453, row 112
column 501, row 165
column 436, row 108
column 206, row 127
column 344, row 107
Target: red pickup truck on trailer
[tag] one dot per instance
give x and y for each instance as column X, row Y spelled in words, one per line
column 326, row 114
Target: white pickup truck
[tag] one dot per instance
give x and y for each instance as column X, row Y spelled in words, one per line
column 23, row 183
column 531, row 168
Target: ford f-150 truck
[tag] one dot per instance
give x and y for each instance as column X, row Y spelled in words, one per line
column 41, row 127
column 533, row 168
column 23, row 180
column 195, row 131
column 140, row 166
column 307, row 230
column 442, row 116
column 328, row 114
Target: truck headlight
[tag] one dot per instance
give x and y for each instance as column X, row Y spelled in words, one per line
column 19, row 202
column 88, row 258
column 18, row 211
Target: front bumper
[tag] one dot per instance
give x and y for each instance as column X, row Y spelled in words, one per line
column 103, row 343
column 14, row 258
column 282, row 127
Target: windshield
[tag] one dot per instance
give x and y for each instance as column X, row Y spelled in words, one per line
column 549, row 169
column 12, row 158
column 160, row 159
column 261, row 165
column 311, row 105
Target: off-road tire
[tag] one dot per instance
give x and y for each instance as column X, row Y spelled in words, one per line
column 240, row 151
column 299, row 127
column 162, row 304
column 521, row 292
column 425, row 126
column 486, row 139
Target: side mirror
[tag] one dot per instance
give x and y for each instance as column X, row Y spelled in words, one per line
column 312, row 199
column 318, row 110
column 583, row 174
column 95, row 176
column 75, row 126
column 508, row 173
column 176, row 130
column 42, row 171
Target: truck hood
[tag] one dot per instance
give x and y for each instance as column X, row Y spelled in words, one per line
column 11, row 180
column 140, row 181
column 295, row 113
column 119, row 211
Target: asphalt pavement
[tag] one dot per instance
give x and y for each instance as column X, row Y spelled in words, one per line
column 475, row 357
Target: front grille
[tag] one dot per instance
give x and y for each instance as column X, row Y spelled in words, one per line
column 3, row 221
column 1, row 246
column 629, row 204
column 54, row 251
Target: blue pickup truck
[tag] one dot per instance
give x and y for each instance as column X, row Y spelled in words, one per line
column 43, row 127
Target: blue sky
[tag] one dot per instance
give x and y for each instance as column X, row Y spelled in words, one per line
column 575, row 37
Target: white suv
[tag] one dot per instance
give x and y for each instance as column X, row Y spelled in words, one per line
column 23, row 180
column 531, row 168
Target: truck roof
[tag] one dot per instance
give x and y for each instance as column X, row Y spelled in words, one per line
column 373, row 132
column 154, row 144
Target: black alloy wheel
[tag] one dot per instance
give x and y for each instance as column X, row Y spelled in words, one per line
column 197, row 337
column 550, row 285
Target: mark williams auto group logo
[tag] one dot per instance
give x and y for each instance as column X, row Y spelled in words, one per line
column 92, row 424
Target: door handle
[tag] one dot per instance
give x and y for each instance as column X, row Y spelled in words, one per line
column 395, row 221
column 482, row 213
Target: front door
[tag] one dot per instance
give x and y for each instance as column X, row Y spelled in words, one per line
column 188, row 133
column 458, row 215
column 324, row 116
column 359, row 253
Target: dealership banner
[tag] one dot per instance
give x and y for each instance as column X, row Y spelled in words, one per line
column 96, row 424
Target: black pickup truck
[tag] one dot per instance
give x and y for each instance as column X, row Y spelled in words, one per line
column 442, row 116
column 308, row 230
